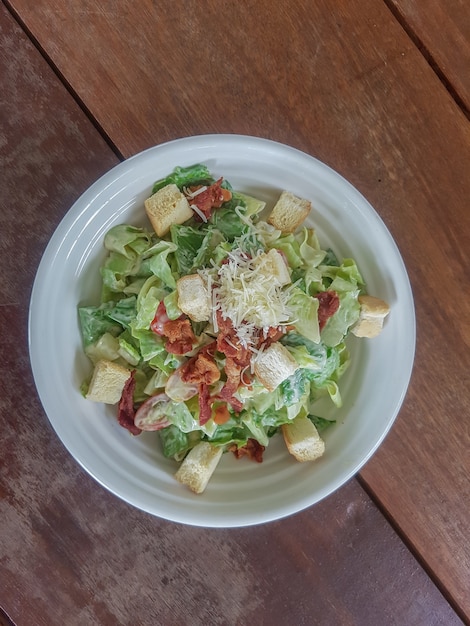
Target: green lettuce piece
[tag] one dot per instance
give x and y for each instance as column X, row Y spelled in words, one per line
column 326, row 381
column 178, row 414
column 165, row 362
column 123, row 311
column 127, row 241
column 234, row 431
column 115, row 271
column 157, row 259
column 125, row 245
column 337, row 326
column 330, row 366
column 106, row 347
column 347, row 282
column 95, row 321
column 344, row 277
column 148, row 299
column 185, row 176
column 252, row 206
column 175, row 443
column 209, row 247
column 188, row 241
column 128, row 351
column 320, row 423
column 171, row 305
column 306, row 359
column 228, row 222
column 330, row 258
column 257, row 430
column 289, row 245
column 150, row 344
column 309, row 248
column 293, row 390
column 262, row 424
column 304, row 310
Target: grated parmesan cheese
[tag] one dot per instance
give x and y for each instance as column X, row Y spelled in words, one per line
column 197, row 210
column 250, row 295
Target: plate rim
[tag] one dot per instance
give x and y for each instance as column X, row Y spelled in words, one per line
column 82, row 204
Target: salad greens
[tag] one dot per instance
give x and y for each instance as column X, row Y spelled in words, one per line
column 140, row 295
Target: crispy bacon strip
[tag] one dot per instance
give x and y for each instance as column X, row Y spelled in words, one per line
column 211, row 198
column 201, row 368
column 126, row 413
column 252, row 449
column 229, row 343
column 180, row 336
column 328, row 305
column 205, row 409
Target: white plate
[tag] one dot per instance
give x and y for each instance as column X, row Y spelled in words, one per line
column 240, row 492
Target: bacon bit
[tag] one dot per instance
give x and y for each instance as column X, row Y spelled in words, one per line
column 237, row 359
column 328, row 305
column 274, row 334
column 180, row 336
column 226, row 394
column 126, row 413
column 211, row 198
column 179, row 332
column 221, row 414
column 201, row 368
column 205, row 410
column 229, row 343
column 252, row 449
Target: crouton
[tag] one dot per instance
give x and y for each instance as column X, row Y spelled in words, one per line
column 302, row 439
column 289, row 212
column 273, row 264
column 166, row 207
column 274, row 365
column 371, row 317
column 107, row 382
column 193, row 297
column 198, row 466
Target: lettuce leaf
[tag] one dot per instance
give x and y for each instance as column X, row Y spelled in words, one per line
column 157, row 260
column 188, row 242
column 109, row 317
column 129, row 241
column 304, row 311
column 185, row 176
column 228, row 222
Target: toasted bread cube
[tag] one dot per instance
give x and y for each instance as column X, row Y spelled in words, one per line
column 274, row 365
column 107, row 382
column 273, row 264
column 193, row 297
column 289, row 212
column 371, row 317
column 302, row 439
column 166, row 207
column 198, row 466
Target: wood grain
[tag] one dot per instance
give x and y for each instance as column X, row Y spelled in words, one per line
column 442, row 31
column 341, row 81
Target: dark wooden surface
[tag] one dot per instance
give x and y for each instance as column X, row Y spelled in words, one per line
column 441, row 29
column 346, row 83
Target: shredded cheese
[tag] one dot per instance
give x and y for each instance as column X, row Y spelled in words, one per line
column 193, row 194
column 197, row 210
column 247, row 292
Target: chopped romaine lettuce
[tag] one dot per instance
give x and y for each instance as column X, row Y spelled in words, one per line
column 185, row 177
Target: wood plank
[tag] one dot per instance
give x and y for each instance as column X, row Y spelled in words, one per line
column 442, row 31
column 349, row 87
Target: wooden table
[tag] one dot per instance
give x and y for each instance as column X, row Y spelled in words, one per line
column 379, row 90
